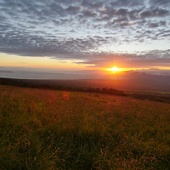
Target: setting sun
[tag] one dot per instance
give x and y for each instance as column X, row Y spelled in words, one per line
column 114, row 69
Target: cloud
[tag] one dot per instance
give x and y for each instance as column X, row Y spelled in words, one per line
column 153, row 25
column 154, row 13
column 81, row 29
column 73, row 9
column 89, row 13
column 126, row 3
column 33, row 45
column 160, row 3
column 141, row 60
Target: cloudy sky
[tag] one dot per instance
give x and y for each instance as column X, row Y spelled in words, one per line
column 83, row 34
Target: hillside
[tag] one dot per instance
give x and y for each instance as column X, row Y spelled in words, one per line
column 50, row 129
column 112, row 87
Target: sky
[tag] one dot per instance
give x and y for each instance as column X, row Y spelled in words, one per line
column 85, row 34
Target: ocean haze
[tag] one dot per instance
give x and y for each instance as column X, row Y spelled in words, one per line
column 151, row 79
column 46, row 73
column 41, row 73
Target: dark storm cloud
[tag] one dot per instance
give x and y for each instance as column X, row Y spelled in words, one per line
column 76, row 29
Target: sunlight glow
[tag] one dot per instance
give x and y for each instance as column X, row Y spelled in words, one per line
column 114, row 69
column 10, row 60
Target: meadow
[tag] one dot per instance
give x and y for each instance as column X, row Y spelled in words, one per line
column 57, row 130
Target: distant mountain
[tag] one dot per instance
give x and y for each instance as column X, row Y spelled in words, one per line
column 155, row 71
column 139, row 80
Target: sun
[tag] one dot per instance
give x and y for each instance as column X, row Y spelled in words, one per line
column 114, row 69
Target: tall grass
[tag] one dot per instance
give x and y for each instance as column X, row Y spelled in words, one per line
column 45, row 129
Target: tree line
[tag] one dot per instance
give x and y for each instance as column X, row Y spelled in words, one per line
column 48, row 85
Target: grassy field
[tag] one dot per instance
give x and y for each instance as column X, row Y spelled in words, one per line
column 48, row 130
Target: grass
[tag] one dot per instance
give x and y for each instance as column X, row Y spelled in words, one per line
column 46, row 129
